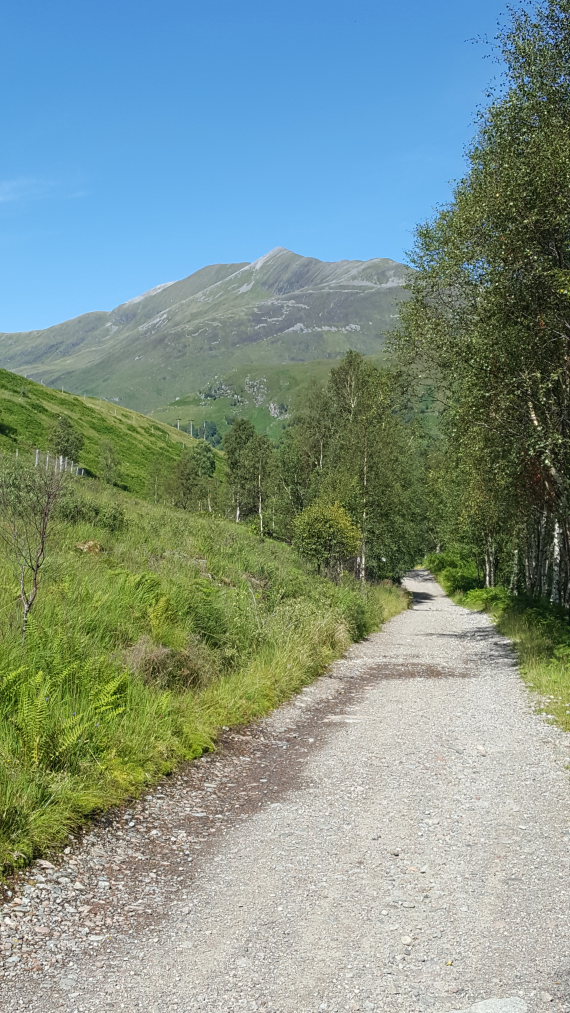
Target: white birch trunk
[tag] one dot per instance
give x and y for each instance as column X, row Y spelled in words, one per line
column 260, row 503
column 555, row 591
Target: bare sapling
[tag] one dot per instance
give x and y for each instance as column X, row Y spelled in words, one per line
column 28, row 498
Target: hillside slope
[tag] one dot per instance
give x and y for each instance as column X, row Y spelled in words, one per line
column 28, row 412
column 179, row 625
column 266, row 395
column 282, row 308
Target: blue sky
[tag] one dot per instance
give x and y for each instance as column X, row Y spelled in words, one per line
column 144, row 140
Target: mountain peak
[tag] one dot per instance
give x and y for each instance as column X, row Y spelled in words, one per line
column 277, row 251
column 177, row 338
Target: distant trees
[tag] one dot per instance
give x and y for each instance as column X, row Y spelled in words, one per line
column 212, row 434
column 191, row 478
column 241, row 474
column 351, row 459
column 354, row 443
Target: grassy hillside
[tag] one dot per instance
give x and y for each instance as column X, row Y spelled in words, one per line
column 29, row 410
column 281, row 309
column 138, row 652
column 264, row 395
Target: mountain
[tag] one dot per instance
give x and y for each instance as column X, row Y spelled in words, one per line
column 175, row 339
column 28, row 412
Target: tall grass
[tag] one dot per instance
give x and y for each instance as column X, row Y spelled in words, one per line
column 138, row 652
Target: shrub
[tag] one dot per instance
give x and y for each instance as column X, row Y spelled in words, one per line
column 194, row 666
column 76, row 510
column 454, row 579
column 112, row 517
column 326, row 536
column 66, row 440
column 489, row 599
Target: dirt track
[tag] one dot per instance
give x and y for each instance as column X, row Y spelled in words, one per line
column 397, row 838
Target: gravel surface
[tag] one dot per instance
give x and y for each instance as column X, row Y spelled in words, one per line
column 395, row 839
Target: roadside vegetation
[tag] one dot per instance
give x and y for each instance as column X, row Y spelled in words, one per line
column 488, row 325
column 152, row 628
column 132, row 629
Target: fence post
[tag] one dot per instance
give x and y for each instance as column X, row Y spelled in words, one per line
column 37, row 457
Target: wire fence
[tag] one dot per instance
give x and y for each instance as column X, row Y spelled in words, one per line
column 57, row 462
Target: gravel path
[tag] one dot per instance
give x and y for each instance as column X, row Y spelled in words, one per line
column 395, row 839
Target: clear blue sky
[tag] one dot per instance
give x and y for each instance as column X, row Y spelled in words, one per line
column 141, row 141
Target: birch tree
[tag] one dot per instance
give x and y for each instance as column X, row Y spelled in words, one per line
column 28, row 499
column 489, row 317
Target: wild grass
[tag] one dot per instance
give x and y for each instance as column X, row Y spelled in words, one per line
column 139, row 651
column 28, row 411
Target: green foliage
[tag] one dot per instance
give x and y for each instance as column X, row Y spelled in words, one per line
column 66, row 440
column 136, row 656
column 28, row 500
column 455, row 579
column 238, row 444
column 357, row 442
column 488, row 319
column 110, row 466
column 191, row 485
column 136, row 441
column 496, row 600
column 326, row 536
column 455, row 569
column 78, row 509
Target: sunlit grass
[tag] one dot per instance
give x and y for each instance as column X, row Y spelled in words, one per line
column 137, row 654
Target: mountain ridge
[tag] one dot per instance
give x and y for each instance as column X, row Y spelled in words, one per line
column 172, row 339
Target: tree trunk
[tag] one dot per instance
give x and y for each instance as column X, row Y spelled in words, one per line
column 260, row 503
column 555, row 589
column 364, row 515
column 514, row 572
column 489, row 564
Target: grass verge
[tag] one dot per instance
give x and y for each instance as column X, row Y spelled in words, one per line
column 148, row 636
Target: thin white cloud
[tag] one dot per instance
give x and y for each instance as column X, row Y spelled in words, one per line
column 23, row 188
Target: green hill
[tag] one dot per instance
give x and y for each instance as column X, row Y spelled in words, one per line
column 28, row 412
column 263, row 394
column 168, row 343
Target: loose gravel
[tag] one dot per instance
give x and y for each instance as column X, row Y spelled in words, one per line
column 394, row 839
